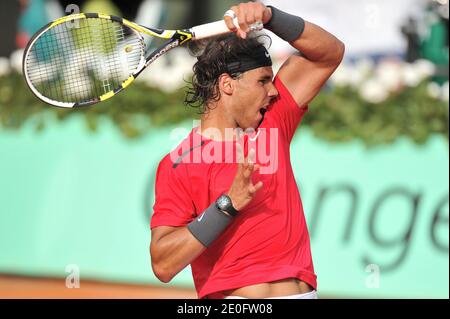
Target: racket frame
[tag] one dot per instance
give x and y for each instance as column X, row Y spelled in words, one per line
column 174, row 39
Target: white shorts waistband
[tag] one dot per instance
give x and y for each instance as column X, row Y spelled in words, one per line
column 308, row 295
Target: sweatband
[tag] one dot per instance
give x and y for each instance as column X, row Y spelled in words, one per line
column 285, row 25
column 209, row 225
column 259, row 57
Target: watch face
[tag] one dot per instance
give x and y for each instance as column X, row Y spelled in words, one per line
column 223, row 202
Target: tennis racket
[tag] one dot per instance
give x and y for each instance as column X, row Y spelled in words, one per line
column 86, row 58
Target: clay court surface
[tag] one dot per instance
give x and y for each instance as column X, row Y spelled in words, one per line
column 12, row 287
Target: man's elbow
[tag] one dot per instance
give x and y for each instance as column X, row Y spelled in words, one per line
column 340, row 51
column 160, row 268
column 163, row 274
column 164, row 277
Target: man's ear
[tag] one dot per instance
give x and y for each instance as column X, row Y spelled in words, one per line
column 226, row 84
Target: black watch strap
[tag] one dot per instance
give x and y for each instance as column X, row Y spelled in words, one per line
column 232, row 211
column 225, row 204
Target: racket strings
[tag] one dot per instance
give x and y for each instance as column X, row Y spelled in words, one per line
column 79, row 61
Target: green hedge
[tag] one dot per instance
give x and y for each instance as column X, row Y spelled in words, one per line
column 342, row 115
column 337, row 114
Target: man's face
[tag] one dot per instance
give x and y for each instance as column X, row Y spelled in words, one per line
column 254, row 91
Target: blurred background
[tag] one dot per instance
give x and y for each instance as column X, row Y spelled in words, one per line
column 371, row 156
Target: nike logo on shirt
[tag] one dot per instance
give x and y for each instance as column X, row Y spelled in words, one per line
column 256, row 136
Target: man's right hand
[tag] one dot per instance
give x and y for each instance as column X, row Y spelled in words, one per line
column 248, row 14
column 242, row 189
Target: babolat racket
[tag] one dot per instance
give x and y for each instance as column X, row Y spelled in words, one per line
column 86, row 58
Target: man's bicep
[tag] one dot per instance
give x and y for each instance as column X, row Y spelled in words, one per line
column 304, row 78
column 160, row 231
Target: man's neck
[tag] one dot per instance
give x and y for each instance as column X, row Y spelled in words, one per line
column 217, row 126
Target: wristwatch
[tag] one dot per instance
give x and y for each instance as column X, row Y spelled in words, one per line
column 224, row 204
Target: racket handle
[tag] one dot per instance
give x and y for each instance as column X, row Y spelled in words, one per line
column 218, row 28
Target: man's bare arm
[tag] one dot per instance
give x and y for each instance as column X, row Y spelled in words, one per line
column 304, row 73
column 319, row 54
column 171, row 250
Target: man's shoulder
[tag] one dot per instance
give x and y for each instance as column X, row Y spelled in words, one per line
column 176, row 156
column 169, row 168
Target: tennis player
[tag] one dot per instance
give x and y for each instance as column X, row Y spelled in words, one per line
column 227, row 203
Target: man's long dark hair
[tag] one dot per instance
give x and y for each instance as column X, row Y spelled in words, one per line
column 213, row 55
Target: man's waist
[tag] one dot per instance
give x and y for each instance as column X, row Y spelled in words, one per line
column 284, row 287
